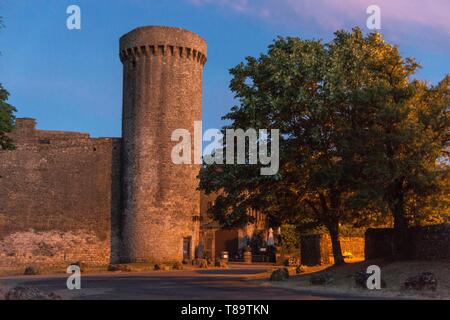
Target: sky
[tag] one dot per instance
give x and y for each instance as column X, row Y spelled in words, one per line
column 72, row 79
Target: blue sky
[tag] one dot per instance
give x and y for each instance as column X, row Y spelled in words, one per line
column 72, row 80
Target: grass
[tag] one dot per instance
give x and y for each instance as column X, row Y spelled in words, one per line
column 48, row 270
column 51, row 270
column 393, row 273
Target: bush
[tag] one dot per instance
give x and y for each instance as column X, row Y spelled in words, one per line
column 119, row 267
column 32, row 271
column 280, row 274
column 290, row 239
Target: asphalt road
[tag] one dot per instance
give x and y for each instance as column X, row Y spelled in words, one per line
column 235, row 284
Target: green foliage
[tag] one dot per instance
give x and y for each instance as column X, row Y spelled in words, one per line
column 6, row 120
column 404, row 158
column 359, row 139
column 290, row 238
column 6, row 115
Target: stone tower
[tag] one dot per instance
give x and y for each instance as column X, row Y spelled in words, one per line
column 162, row 91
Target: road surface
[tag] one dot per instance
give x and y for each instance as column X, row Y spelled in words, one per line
column 238, row 283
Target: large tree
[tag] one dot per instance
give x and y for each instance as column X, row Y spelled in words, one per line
column 405, row 153
column 346, row 111
column 399, row 130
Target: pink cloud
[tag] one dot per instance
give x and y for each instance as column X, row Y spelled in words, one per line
column 238, row 5
column 397, row 16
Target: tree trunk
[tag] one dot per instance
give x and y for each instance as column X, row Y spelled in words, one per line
column 333, row 229
column 397, row 206
column 401, row 242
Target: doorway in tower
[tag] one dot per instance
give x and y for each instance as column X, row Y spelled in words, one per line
column 227, row 240
column 187, row 248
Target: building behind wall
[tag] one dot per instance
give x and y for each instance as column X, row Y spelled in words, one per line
column 214, row 239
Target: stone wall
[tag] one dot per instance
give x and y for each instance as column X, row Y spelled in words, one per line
column 378, row 243
column 427, row 243
column 353, row 245
column 59, row 197
column 65, row 196
column 316, row 249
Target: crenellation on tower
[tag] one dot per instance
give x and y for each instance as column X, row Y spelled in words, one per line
column 162, row 50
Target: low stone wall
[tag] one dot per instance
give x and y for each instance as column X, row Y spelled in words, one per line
column 378, row 243
column 353, row 245
column 427, row 243
column 53, row 249
column 316, row 249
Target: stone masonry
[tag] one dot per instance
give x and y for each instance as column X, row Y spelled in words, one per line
column 163, row 70
column 67, row 197
column 425, row 242
column 59, row 196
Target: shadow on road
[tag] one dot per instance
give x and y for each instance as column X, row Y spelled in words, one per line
column 232, row 271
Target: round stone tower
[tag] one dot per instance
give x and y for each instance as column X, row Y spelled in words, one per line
column 162, row 91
